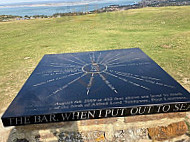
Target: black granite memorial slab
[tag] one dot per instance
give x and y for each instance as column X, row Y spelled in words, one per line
column 92, row 85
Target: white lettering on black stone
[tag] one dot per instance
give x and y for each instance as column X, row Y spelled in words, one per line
column 149, row 109
column 134, row 111
column 122, row 112
column 100, row 113
column 108, row 111
column 183, row 107
column 91, row 114
column 66, row 116
column 158, row 109
column 53, row 118
column 176, row 107
column 83, row 115
column 166, row 108
column 142, row 110
column 76, row 115
column 19, row 121
column 26, row 120
column 117, row 112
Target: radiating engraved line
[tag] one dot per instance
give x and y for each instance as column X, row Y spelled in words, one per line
column 110, row 53
column 144, row 80
column 128, row 75
column 145, row 77
column 90, row 84
column 111, row 59
column 72, row 61
column 48, row 72
column 70, row 66
column 123, row 56
column 108, row 83
column 91, row 59
column 106, row 56
column 116, row 66
column 57, row 66
column 61, row 64
column 133, row 64
column 159, row 83
column 65, row 86
column 64, row 65
column 139, row 64
column 79, row 59
column 51, row 74
column 98, row 58
column 139, row 77
column 56, row 73
column 63, row 72
column 125, row 80
column 124, row 61
column 55, row 79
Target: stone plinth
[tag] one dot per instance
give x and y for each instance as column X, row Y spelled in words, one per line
column 144, row 128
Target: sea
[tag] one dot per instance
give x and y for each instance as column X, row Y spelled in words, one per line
column 58, row 6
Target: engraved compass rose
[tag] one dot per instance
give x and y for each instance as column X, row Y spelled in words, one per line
column 102, row 65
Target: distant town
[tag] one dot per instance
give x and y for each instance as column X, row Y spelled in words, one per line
column 141, row 4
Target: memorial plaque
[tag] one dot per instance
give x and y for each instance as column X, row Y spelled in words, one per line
column 93, row 85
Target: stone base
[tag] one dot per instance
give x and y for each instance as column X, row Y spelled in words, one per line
column 144, row 128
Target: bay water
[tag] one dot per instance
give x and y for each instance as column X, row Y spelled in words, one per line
column 62, row 6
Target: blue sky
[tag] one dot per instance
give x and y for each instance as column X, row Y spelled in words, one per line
column 19, row 1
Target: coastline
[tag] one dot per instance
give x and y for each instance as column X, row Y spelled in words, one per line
column 110, row 8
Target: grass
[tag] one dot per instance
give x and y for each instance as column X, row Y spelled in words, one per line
column 163, row 33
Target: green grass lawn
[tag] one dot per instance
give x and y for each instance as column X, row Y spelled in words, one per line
column 163, row 33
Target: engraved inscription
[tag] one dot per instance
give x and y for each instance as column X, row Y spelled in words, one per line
column 133, row 99
column 105, row 67
column 100, row 113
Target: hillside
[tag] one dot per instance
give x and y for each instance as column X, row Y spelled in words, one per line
column 163, row 33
